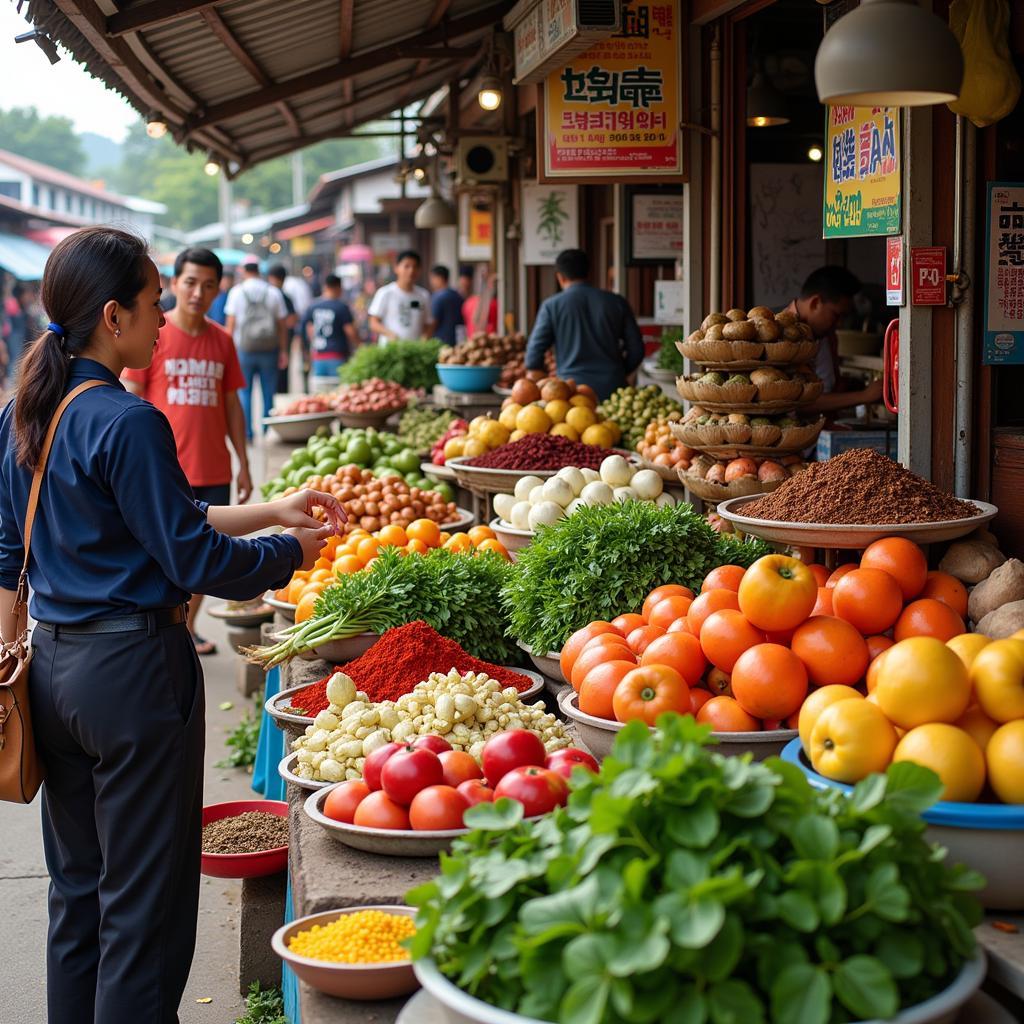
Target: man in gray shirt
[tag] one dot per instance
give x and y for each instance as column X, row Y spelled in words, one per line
column 595, row 335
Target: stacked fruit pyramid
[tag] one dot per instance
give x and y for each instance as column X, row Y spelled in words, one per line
column 743, row 417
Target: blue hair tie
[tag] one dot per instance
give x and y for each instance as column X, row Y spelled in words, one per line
column 55, row 329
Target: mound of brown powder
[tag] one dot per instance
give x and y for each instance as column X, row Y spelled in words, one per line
column 860, row 486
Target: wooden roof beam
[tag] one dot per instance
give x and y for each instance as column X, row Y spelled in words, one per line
column 153, row 13
column 338, row 72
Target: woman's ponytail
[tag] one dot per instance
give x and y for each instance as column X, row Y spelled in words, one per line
column 83, row 273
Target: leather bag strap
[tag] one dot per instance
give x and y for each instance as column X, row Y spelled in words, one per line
column 21, row 596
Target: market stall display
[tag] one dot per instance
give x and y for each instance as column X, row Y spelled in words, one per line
column 467, row 379
column 243, row 614
column 659, row 450
column 370, row 403
column 304, row 405
column 515, row 369
column 482, row 349
column 731, row 435
column 409, row 363
column 695, row 813
column 668, row 363
column 244, row 838
column 293, row 429
column 634, row 408
column 718, row 480
column 558, row 407
column 766, row 390
column 739, row 340
column 420, row 427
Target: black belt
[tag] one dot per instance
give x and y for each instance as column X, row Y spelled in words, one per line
column 149, row 621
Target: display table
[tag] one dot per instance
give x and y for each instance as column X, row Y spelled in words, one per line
column 467, row 404
column 1005, row 951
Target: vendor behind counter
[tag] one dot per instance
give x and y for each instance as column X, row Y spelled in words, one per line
column 594, row 333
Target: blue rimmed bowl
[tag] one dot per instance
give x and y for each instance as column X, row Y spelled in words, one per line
column 468, row 379
column 986, row 837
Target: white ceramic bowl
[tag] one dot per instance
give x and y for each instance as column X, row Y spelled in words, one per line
column 547, row 664
column 284, row 607
column 462, row 1008
column 286, row 769
column 598, row 734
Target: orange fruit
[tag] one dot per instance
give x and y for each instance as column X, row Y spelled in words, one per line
column 900, row 558
column 725, row 635
column 574, row 645
column 851, row 739
column 951, row 753
column 832, row 651
column 725, row 577
column 322, row 575
column 947, row 589
column 967, row 646
column 597, row 653
column 481, row 533
column 322, row 563
column 998, row 677
column 426, row 531
column 777, row 592
column 921, row 680
column 648, row 692
column 348, row 564
column 625, row 624
column 416, row 547
column 928, row 617
column 1004, row 756
column 820, row 573
column 823, row 606
column 680, row 651
column 977, row 725
column 680, row 626
column 871, row 676
column 719, row 683
column 368, row 548
column 769, row 681
column 666, row 611
column 295, row 588
column 724, row 714
column 659, row 593
column 495, row 545
column 815, row 704
column 877, row 644
column 698, row 698
column 708, row 602
column 304, row 609
column 598, row 687
column 443, row 537
column 839, row 573
column 639, row 639
column 392, row 536
column 458, row 543
column 869, row 599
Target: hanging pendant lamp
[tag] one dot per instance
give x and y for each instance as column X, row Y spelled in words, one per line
column 766, row 107
column 889, row 53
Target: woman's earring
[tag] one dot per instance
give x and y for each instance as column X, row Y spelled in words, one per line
column 117, row 333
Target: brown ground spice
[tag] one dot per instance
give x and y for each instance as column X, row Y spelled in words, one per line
column 250, row 832
column 860, row 486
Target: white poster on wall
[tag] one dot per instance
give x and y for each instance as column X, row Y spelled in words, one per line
column 550, row 222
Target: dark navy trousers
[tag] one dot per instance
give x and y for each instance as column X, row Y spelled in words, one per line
column 119, row 720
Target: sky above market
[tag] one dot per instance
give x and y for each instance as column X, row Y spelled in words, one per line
column 28, row 79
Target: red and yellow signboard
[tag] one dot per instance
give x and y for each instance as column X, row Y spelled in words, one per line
column 614, row 111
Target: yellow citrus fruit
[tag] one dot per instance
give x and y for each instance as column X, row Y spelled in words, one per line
column 998, row 677
column 951, row 753
column 473, row 447
column 295, row 587
column 583, row 400
column 517, row 435
column 1005, row 758
column 921, row 680
column 850, row 740
column 816, row 702
column 564, row 430
column 1019, row 635
column 599, row 434
column 967, row 646
column 977, row 725
column 304, row 609
column 580, row 417
column 494, row 434
column 558, row 410
column 509, row 414
column 532, row 419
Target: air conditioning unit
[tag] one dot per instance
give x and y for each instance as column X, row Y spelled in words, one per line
column 481, row 159
column 547, row 33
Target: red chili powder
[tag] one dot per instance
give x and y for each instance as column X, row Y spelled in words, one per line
column 401, row 658
column 544, row 452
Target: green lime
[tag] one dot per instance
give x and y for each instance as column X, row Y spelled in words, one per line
column 359, row 451
column 326, row 466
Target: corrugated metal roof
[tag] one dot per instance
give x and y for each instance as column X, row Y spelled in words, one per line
column 252, row 79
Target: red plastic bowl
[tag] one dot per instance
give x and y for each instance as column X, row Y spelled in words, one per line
column 244, row 865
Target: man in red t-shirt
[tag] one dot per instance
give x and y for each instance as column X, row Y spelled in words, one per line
column 194, row 381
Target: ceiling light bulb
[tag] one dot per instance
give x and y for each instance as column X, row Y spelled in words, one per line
column 814, row 154
column 212, row 168
column 247, row 238
column 275, row 247
column 419, row 174
column 489, row 96
column 156, row 126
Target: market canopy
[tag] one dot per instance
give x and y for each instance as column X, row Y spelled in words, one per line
column 249, row 80
column 22, row 257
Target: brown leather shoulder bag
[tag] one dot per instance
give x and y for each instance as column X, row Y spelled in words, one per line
column 21, row 770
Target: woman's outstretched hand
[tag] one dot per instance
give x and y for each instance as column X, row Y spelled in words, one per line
column 296, row 510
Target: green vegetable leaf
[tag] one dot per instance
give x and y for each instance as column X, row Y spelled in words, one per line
column 802, row 994
column 498, row 816
column 816, row 837
column 868, row 793
column 902, row 953
column 865, row 986
column 734, row 1002
column 585, row 1001
column 912, row 787
column 689, row 1007
column 693, row 923
column 798, row 910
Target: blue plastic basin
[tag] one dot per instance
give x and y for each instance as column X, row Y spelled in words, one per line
column 468, row 378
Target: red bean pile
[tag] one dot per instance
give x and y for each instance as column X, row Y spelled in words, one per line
column 542, row 451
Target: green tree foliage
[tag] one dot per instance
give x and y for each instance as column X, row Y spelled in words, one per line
column 50, row 140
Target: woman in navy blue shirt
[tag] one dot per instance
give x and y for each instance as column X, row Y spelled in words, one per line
column 116, row 688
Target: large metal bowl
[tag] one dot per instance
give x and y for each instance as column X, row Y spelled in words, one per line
column 547, row 664
column 295, row 429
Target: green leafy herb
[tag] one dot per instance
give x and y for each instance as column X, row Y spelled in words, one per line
column 604, row 560
column 411, row 363
column 263, row 1006
column 244, row 738
column 669, row 357
column 683, row 886
column 459, row 595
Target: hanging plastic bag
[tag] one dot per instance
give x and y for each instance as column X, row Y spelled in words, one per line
column 991, row 84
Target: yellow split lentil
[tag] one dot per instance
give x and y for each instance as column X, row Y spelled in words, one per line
column 365, row 937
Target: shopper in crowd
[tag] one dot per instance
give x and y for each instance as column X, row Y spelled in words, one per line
column 167, row 298
column 445, row 305
column 194, row 380
column 257, row 320
column 400, row 311
column 594, row 333
column 825, row 300
column 16, row 325
column 312, row 278
column 119, row 543
column 480, row 312
column 277, row 276
column 296, row 288
column 329, row 330
column 217, row 311
column 465, row 288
